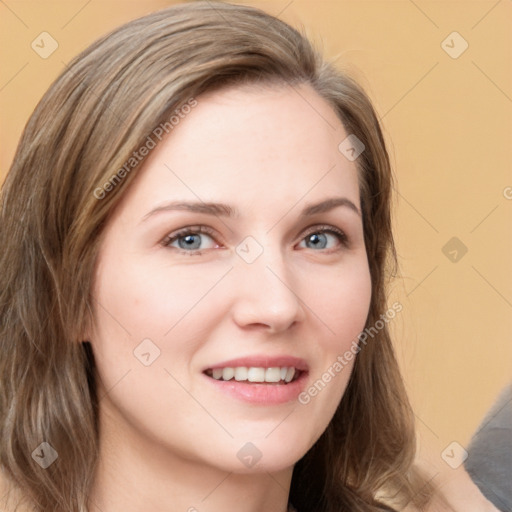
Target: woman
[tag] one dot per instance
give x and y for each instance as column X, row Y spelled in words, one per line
column 197, row 240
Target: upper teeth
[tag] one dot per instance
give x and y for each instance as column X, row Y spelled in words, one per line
column 254, row 374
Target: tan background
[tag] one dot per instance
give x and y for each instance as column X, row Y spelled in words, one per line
column 449, row 124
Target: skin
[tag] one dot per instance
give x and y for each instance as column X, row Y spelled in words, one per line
column 453, row 488
column 169, row 438
column 269, row 153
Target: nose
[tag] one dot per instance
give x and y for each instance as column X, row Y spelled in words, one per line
column 267, row 295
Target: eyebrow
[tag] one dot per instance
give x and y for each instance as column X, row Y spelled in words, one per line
column 224, row 210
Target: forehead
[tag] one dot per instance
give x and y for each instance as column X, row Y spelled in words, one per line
column 251, row 145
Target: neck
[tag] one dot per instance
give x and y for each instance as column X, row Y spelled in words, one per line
column 134, row 474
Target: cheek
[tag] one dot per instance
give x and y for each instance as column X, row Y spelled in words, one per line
column 151, row 300
column 344, row 304
column 151, row 308
column 144, row 325
column 343, row 309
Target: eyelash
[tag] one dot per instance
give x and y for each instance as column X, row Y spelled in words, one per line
column 195, row 230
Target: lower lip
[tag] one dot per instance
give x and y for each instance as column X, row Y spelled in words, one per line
column 261, row 393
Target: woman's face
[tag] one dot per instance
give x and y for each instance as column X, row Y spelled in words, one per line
column 238, row 253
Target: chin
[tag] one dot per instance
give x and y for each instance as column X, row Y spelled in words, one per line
column 277, row 452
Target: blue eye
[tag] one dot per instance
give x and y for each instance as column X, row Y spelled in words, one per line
column 190, row 240
column 319, row 238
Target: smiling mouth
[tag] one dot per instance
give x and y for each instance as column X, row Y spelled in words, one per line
column 274, row 375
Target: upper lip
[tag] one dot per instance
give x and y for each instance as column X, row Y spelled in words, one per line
column 263, row 361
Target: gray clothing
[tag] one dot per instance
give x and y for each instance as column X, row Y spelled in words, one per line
column 489, row 462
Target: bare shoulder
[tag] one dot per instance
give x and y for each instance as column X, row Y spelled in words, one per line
column 454, row 491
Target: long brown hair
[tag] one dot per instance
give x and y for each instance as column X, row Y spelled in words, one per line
column 83, row 132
